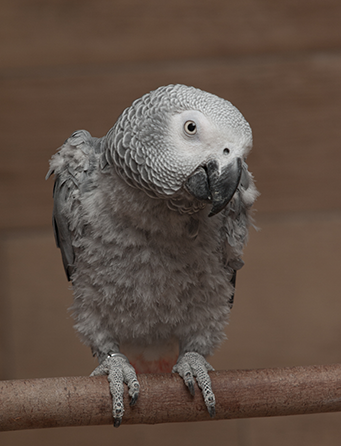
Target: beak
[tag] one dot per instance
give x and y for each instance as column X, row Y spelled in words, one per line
column 208, row 183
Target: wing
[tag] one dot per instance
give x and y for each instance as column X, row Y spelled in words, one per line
column 236, row 222
column 62, row 192
column 233, row 282
column 73, row 166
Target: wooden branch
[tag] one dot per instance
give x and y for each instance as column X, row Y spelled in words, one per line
column 82, row 401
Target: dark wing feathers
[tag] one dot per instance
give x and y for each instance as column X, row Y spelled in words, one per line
column 62, row 233
column 233, row 282
column 235, row 230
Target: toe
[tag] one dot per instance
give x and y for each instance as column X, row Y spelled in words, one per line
column 184, row 370
column 134, row 389
column 100, row 370
column 130, row 378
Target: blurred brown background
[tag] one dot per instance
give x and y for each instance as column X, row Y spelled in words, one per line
column 68, row 64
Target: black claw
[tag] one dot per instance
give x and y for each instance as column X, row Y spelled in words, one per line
column 117, row 422
column 211, row 411
column 191, row 389
column 133, row 399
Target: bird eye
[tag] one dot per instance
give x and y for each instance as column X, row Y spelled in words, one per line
column 190, row 127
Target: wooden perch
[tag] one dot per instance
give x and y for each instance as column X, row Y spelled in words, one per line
column 82, row 401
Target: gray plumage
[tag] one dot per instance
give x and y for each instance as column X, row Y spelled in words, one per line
column 152, row 273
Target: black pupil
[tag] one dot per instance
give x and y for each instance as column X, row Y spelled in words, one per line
column 191, row 127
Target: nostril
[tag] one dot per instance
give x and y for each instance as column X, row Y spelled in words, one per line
column 226, row 151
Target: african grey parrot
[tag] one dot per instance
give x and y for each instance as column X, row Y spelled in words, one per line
column 151, row 220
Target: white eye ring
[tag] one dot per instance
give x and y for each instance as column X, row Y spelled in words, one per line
column 190, row 127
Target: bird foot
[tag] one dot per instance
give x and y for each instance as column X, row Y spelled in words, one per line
column 191, row 365
column 119, row 371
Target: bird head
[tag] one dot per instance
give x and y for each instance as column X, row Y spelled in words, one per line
column 180, row 140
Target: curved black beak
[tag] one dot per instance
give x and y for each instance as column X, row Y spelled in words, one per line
column 208, row 183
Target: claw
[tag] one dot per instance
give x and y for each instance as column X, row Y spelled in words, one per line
column 134, row 399
column 191, row 388
column 211, row 411
column 117, row 422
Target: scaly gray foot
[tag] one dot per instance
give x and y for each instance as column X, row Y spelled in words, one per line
column 119, row 371
column 191, row 365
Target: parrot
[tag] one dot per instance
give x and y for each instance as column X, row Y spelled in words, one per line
column 151, row 220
